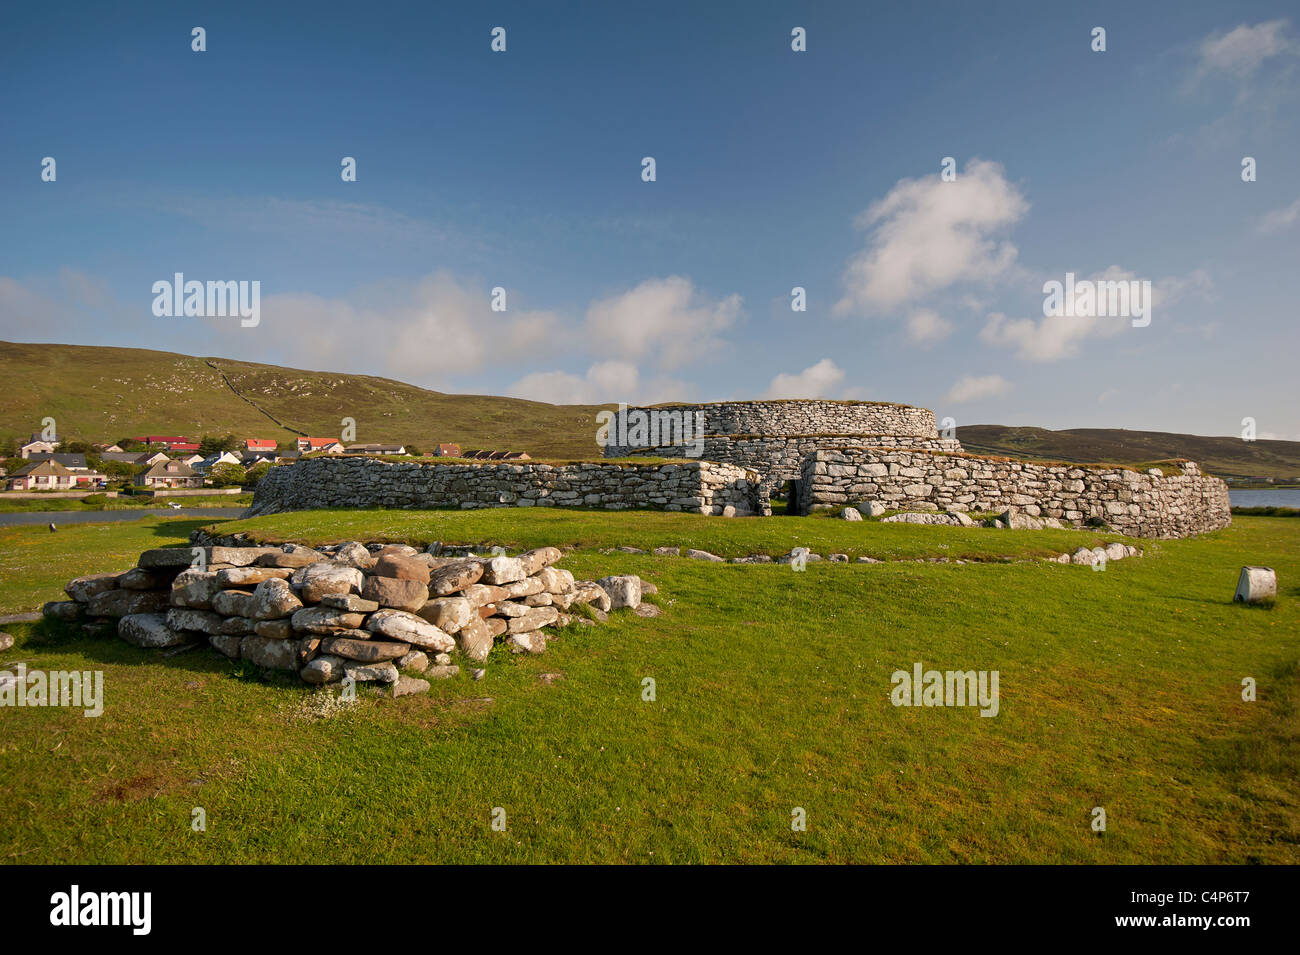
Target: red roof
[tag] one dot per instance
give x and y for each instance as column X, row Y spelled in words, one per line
column 320, row 441
column 182, row 446
column 259, row 444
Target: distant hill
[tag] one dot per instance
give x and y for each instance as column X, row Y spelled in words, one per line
column 1225, row 457
column 102, row 394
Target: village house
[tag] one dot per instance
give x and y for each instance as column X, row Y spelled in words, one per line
column 73, row 462
column 38, row 445
column 50, row 475
column 170, row 474
column 167, row 442
column 480, row 455
column 375, row 449
column 328, row 445
column 204, row 465
column 447, row 451
column 260, row 445
column 253, row 458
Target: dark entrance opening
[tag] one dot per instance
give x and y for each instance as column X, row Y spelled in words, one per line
column 791, row 493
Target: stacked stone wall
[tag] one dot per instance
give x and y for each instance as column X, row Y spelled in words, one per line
column 1140, row 504
column 701, row 487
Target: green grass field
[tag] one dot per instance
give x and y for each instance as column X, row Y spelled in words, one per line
column 1119, row 689
column 98, row 502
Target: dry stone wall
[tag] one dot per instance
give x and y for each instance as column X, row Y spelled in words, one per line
column 379, row 613
column 1148, row 504
column 701, row 487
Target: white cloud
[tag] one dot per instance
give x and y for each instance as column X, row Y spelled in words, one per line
column 1278, row 220
column 605, row 382
column 929, row 234
column 971, row 387
column 1240, row 51
column 816, row 381
column 428, row 332
column 926, row 327
column 665, row 319
column 1048, row 339
column 1054, row 338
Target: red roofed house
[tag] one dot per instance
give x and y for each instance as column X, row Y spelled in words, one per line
column 172, row 442
column 448, row 451
column 259, row 444
column 328, row 445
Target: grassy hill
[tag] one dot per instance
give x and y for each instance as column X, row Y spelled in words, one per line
column 1222, row 456
column 102, row 394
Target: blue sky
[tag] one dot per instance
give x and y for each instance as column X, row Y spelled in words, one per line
column 774, row 168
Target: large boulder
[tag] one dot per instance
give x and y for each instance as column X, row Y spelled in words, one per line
column 502, row 570
column 400, row 593
column 235, row 577
column 201, row 621
column 448, row 614
column 273, row 600
column 272, row 654
column 325, row 620
column 174, row 557
column 851, row 514
column 554, row 580
column 623, row 590
column 316, row 580
column 233, row 603
column 352, row 602
column 531, row 642
column 82, row 589
column 534, row 619
column 480, row 595
column 121, row 603
column 281, row 629
column 475, row 639
column 408, row 628
column 1083, row 556
column 149, row 630
column 401, row 567
column 226, row 644
column 195, row 589
column 408, row 686
column 354, row 554
column 236, row 556
column 524, row 588
column 294, row 560
column 534, row 560
column 455, row 577
column 590, row 592
column 324, row 668
column 365, row 651
column 372, row 672
column 65, row 610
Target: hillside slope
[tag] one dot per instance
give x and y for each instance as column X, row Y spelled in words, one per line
column 102, row 394
column 1222, row 456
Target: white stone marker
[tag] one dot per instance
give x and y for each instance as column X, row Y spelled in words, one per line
column 1255, row 585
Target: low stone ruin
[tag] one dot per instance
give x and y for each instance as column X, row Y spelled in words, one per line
column 376, row 613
